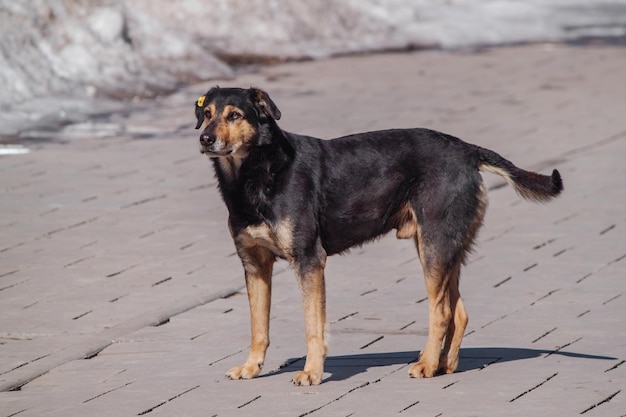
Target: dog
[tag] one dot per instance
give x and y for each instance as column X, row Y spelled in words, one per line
column 302, row 199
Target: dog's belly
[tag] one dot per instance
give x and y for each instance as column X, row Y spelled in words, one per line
column 341, row 237
column 363, row 207
column 341, row 233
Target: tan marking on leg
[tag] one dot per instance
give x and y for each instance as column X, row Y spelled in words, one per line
column 258, row 263
column 439, row 312
column 456, row 327
column 449, row 360
column 439, row 316
column 314, row 300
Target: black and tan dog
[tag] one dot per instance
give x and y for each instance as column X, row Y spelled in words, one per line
column 302, row 199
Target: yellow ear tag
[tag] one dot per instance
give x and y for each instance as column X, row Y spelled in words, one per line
column 200, row 101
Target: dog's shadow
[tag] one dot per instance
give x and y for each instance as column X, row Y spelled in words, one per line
column 346, row 366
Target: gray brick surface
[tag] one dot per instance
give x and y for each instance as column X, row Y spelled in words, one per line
column 120, row 293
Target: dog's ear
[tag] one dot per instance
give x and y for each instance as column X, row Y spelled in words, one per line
column 200, row 111
column 264, row 103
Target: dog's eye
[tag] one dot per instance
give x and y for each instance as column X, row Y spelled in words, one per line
column 234, row 116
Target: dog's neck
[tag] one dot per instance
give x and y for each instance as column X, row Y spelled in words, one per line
column 227, row 168
column 249, row 181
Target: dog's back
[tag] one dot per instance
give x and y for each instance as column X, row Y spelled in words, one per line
column 367, row 184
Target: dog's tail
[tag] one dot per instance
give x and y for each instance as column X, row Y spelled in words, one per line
column 529, row 185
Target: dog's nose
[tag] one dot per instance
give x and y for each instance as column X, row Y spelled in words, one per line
column 206, row 139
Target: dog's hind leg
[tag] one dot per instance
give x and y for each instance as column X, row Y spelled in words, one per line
column 258, row 263
column 440, row 317
column 449, row 358
column 312, row 286
column 444, row 234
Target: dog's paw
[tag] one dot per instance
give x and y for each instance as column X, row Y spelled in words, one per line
column 448, row 365
column 422, row 369
column 244, row 372
column 307, row 378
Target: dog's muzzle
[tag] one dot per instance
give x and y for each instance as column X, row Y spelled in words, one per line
column 206, row 143
column 211, row 145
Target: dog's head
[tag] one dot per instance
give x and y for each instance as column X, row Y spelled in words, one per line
column 233, row 119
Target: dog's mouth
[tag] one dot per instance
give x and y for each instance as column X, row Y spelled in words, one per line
column 215, row 153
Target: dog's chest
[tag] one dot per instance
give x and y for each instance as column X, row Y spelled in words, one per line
column 277, row 238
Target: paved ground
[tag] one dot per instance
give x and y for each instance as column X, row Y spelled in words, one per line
column 120, row 293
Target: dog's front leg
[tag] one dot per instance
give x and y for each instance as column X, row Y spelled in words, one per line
column 258, row 264
column 313, row 291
